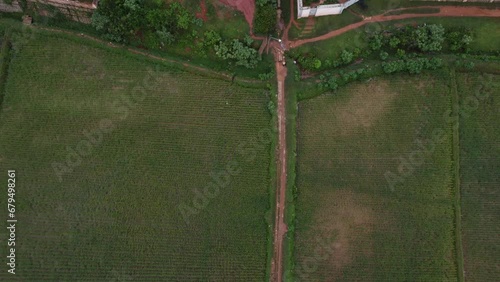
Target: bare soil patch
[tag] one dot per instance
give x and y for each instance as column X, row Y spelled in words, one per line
column 346, row 216
column 247, row 7
column 367, row 103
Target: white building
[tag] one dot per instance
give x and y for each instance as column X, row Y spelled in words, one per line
column 322, row 10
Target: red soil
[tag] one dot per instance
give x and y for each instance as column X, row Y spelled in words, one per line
column 444, row 11
column 247, row 7
column 203, row 13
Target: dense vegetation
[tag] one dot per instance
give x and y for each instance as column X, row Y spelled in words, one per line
column 265, row 17
column 164, row 26
column 155, row 23
column 124, row 166
column 403, row 45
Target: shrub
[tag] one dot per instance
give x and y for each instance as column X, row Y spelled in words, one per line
column 384, row 55
column 265, row 19
column 346, row 57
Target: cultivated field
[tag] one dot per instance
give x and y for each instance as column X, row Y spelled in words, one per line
column 480, row 177
column 351, row 225
column 128, row 170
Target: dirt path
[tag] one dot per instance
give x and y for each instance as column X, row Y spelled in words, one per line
column 280, row 227
column 444, row 11
column 247, row 7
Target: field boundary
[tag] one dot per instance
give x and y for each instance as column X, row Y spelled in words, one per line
column 273, row 181
column 456, row 177
column 97, row 42
column 291, row 193
column 179, row 64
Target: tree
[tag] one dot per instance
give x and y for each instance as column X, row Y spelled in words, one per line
column 376, row 42
column 459, row 40
column 264, row 19
column 429, row 38
column 393, row 66
column 346, row 57
column 384, row 55
column 394, row 42
column 415, row 66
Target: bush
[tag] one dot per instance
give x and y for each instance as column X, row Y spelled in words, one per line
column 265, row 19
column 238, row 52
column 123, row 20
column 384, row 55
column 346, row 57
column 430, row 38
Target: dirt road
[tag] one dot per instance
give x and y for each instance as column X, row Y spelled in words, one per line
column 444, row 11
column 280, row 227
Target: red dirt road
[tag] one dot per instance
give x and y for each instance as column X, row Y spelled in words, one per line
column 280, row 228
column 444, row 11
column 247, row 7
column 202, row 14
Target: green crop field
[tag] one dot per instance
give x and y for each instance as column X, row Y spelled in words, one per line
column 480, row 177
column 132, row 170
column 375, row 183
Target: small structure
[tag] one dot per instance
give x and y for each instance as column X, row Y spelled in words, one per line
column 27, row 20
column 322, row 10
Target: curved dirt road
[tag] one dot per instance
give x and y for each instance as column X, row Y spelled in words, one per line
column 444, row 11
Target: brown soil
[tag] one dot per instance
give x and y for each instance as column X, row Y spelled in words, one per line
column 350, row 221
column 444, row 11
column 247, row 7
column 280, row 228
column 362, row 117
column 365, row 106
column 203, row 13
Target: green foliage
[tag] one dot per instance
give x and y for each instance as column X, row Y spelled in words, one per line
column 412, row 66
column 271, row 107
column 459, row 39
column 346, row 57
column 211, row 38
column 394, row 42
column 384, row 55
column 430, row 38
column 309, row 62
column 162, row 24
column 375, row 42
column 238, row 52
column 265, row 19
column 5, row 57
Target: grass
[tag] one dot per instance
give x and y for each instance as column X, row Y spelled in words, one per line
column 291, row 129
column 323, row 25
column 5, row 48
column 486, row 36
column 349, row 224
column 228, row 22
column 414, row 11
column 479, row 166
column 116, row 215
column 376, row 7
